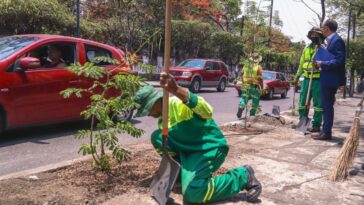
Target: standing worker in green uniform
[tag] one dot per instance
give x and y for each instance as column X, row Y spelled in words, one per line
column 305, row 68
column 252, row 83
column 195, row 140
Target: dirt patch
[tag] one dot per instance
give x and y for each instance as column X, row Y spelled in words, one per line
column 80, row 184
column 239, row 129
column 270, row 120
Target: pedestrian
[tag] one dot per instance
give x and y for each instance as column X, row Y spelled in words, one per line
column 332, row 76
column 305, row 68
column 252, row 84
column 195, row 140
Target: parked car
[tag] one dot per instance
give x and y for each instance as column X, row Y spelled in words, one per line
column 30, row 85
column 273, row 83
column 198, row 73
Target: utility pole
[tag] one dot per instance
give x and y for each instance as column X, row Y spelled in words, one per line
column 270, row 23
column 78, row 19
column 348, row 43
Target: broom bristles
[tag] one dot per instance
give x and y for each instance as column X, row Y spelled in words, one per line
column 347, row 153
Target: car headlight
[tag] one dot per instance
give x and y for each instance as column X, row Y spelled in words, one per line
column 186, row 74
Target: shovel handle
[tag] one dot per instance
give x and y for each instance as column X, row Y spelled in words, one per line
column 167, row 57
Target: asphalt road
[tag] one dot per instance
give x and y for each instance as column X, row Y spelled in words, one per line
column 29, row 148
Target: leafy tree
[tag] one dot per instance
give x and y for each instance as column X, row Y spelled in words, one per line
column 226, row 46
column 103, row 110
column 19, row 16
column 356, row 59
column 37, row 16
column 189, row 37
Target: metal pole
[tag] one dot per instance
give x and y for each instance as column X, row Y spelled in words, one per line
column 348, row 45
column 78, row 19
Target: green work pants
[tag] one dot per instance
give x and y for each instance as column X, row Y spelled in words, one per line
column 315, row 94
column 198, row 185
column 250, row 93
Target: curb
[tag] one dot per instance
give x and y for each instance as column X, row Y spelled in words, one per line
column 45, row 168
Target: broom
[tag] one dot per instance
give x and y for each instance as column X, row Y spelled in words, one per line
column 346, row 156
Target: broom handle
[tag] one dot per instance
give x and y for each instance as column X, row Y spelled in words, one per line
column 310, row 84
column 167, row 57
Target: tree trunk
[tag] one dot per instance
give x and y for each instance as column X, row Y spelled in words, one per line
column 323, row 15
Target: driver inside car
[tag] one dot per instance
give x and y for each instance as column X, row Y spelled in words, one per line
column 54, row 59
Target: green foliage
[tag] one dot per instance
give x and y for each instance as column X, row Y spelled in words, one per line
column 189, row 37
column 226, row 46
column 147, row 68
column 212, row 32
column 356, row 56
column 103, row 110
column 35, row 16
column 38, row 16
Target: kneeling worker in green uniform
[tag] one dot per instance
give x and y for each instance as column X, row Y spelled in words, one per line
column 197, row 143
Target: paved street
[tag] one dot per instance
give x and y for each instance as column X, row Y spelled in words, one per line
column 29, row 148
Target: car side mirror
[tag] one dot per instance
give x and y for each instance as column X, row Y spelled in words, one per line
column 29, row 63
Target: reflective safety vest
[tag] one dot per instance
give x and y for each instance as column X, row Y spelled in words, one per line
column 252, row 75
column 308, row 55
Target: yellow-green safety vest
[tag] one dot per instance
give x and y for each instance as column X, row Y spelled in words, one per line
column 251, row 74
column 308, row 56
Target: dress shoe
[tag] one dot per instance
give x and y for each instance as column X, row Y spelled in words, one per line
column 254, row 187
column 314, row 129
column 322, row 136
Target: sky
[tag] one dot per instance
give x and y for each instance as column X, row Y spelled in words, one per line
column 296, row 17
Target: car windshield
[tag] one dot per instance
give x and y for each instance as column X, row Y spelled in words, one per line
column 12, row 44
column 268, row 76
column 192, row 64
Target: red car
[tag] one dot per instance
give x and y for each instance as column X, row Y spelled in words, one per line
column 197, row 73
column 30, row 83
column 273, row 82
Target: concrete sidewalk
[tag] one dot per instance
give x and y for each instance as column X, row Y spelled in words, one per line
column 292, row 167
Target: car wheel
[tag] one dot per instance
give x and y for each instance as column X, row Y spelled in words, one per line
column 284, row 95
column 270, row 95
column 222, row 85
column 195, row 85
column 124, row 115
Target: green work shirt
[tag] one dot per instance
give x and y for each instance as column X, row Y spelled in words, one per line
column 191, row 126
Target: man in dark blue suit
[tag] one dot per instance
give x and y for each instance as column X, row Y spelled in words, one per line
column 332, row 76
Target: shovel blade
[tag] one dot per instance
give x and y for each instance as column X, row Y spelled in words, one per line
column 303, row 124
column 164, row 179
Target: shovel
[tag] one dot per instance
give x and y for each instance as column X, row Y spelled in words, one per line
column 305, row 121
column 168, row 171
